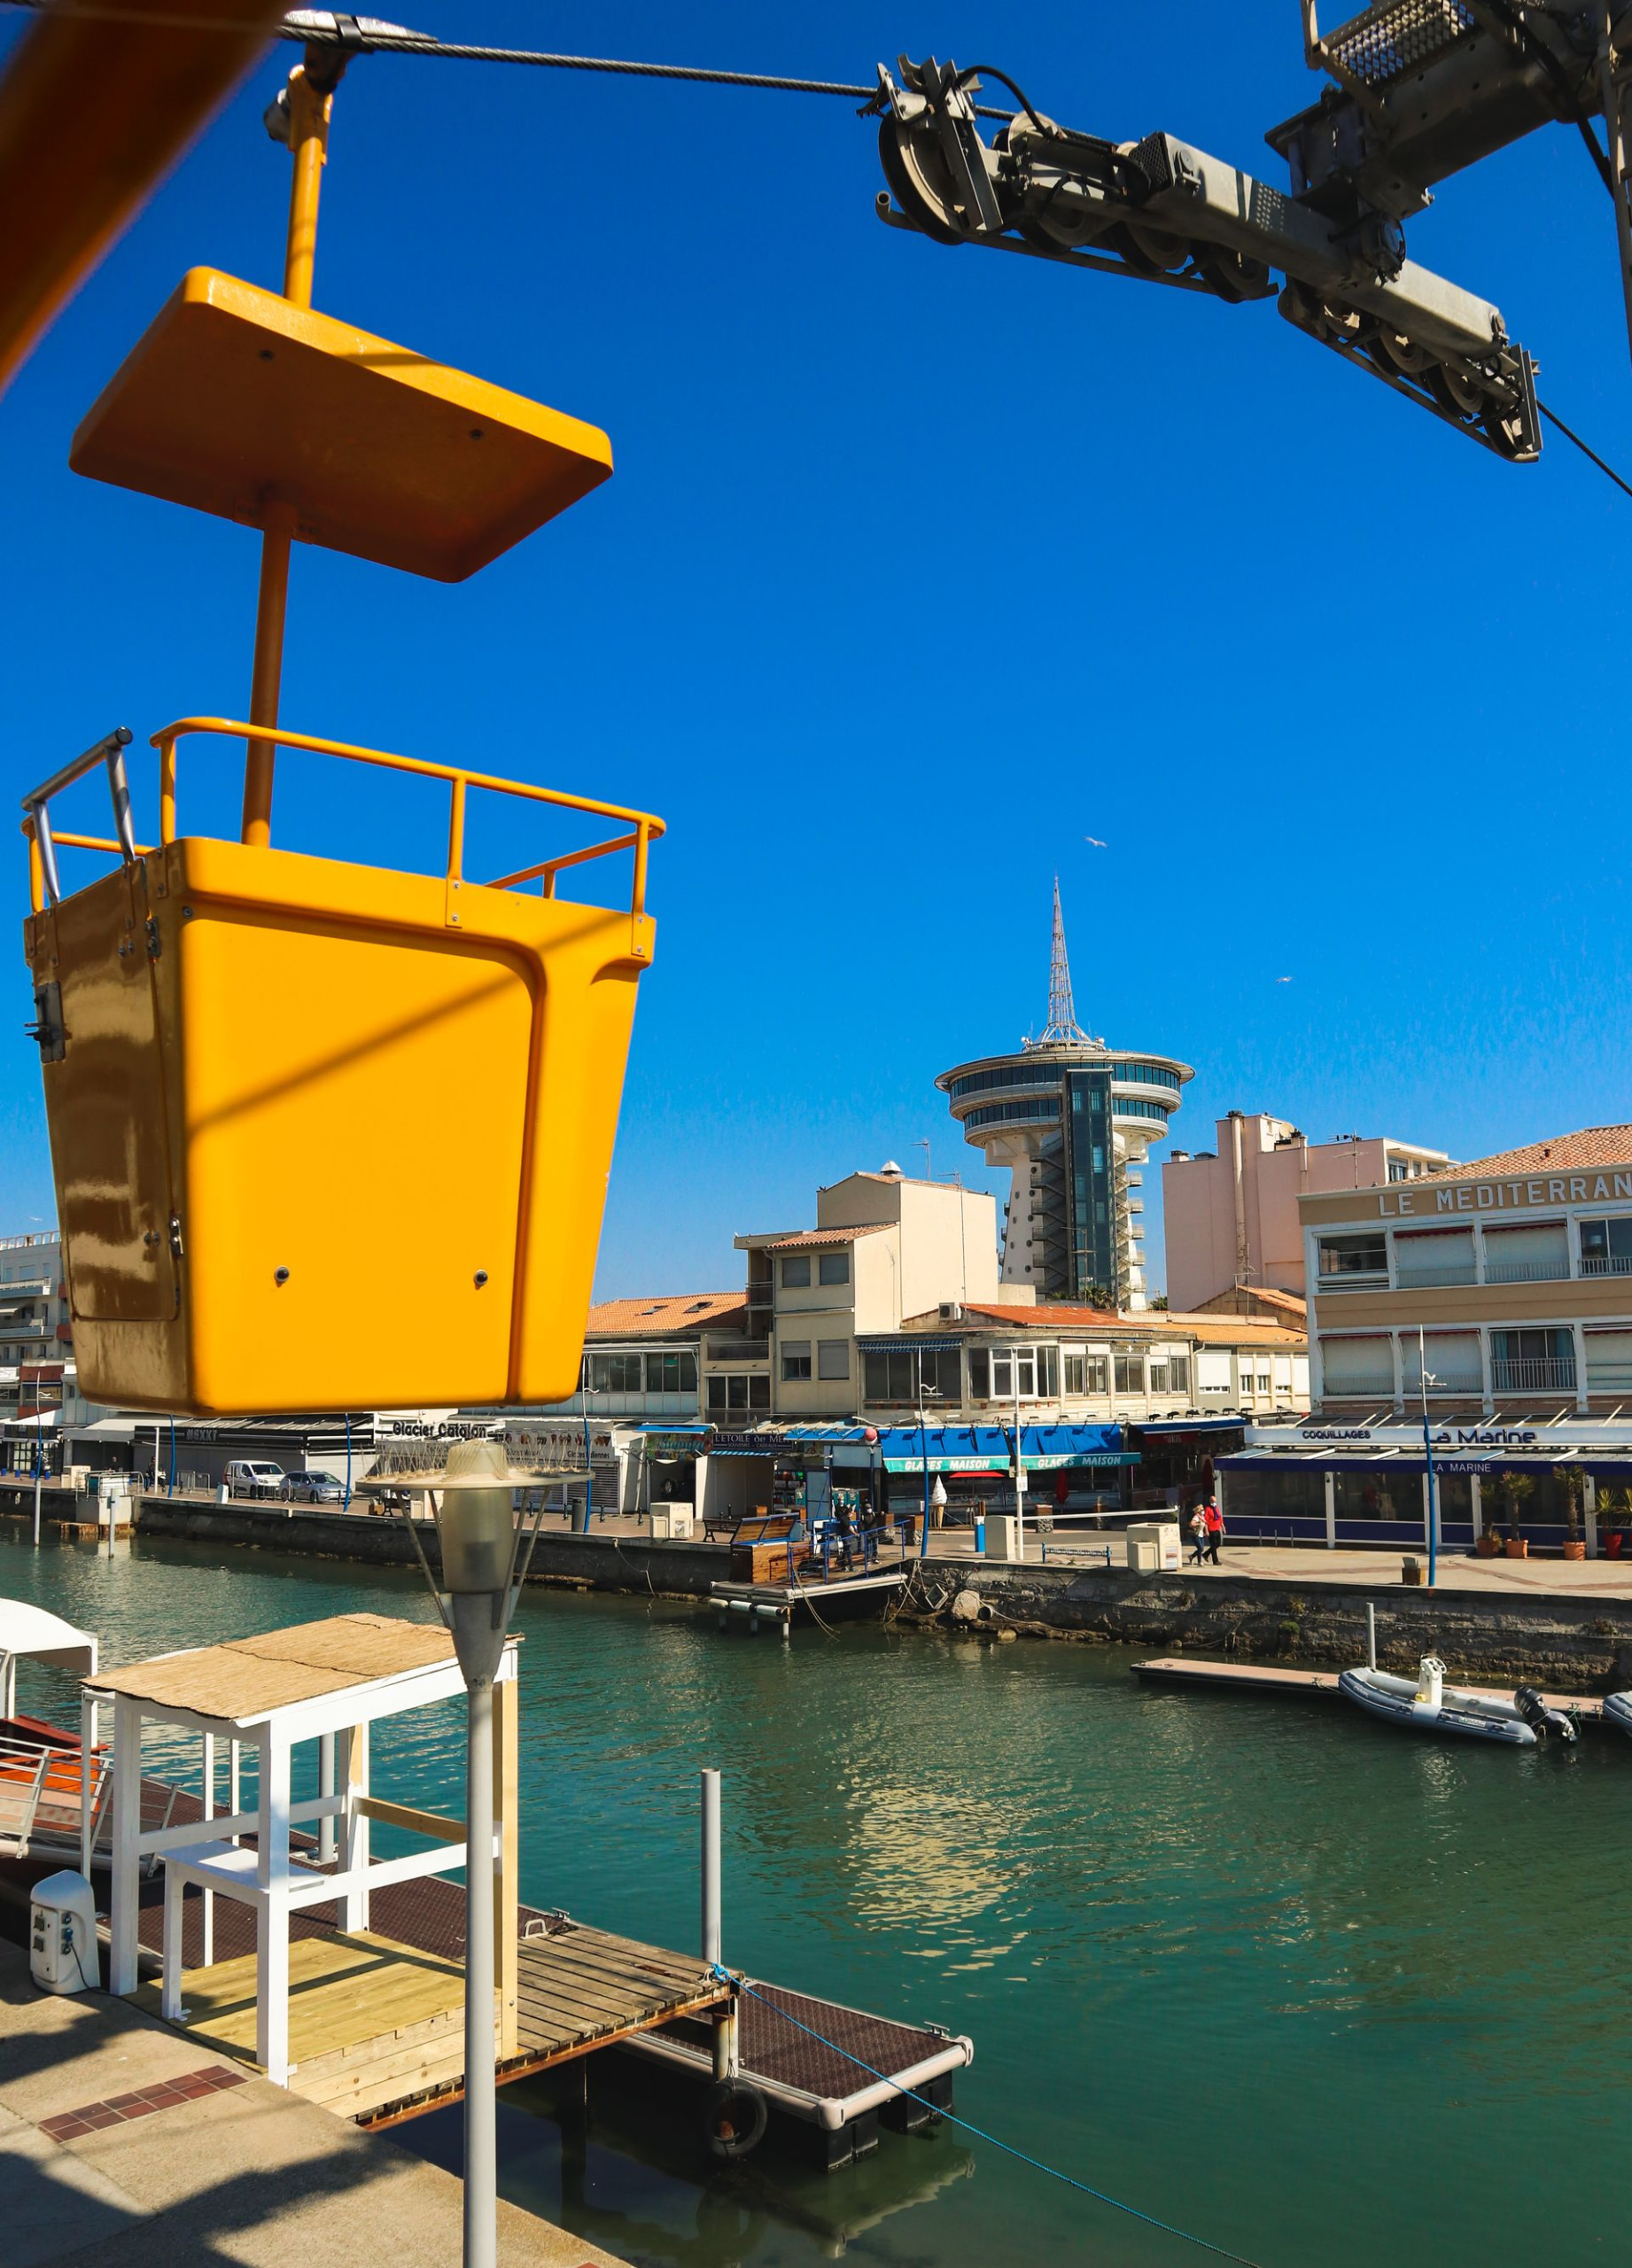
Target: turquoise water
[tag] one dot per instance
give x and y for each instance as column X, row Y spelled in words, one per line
column 1320, row 1991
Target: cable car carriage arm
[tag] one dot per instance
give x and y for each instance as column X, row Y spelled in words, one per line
column 1165, row 212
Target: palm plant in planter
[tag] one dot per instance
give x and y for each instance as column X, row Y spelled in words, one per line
column 1571, row 1480
column 1516, row 1487
column 1614, row 1517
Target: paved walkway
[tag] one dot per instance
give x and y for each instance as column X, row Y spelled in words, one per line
column 119, row 2140
column 1356, row 1570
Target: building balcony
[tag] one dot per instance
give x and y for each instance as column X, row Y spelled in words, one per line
column 607, row 1404
column 1375, row 1279
column 1370, row 1386
column 27, row 1287
column 1613, row 1264
column 1461, row 1383
column 736, row 1354
column 1528, row 1271
column 1532, row 1373
column 1417, row 1278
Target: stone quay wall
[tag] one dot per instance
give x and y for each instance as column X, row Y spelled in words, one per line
column 615, row 1563
column 1564, row 1643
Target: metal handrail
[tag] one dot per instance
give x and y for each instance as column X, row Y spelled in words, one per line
column 646, row 827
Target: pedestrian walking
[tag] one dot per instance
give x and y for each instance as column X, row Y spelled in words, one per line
column 1213, row 1520
column 1198, row 1535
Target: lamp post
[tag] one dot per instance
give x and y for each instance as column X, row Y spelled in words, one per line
column 480, row 1542
column 925, row 1393
column 1428, row 1450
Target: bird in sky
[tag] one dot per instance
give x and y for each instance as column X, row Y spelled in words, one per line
column 1283, row 980
column 1096, row 842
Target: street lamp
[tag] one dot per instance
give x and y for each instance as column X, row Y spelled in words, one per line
column 480, row 1542
column 925, row 1393
column 1428, row 1450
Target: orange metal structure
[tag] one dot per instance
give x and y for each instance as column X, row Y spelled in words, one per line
column 327, row 1136
column 94, row 109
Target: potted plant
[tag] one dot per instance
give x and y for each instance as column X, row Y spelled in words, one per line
column 1516, row 1487
column 1571, row 1479
column 1614, row 1507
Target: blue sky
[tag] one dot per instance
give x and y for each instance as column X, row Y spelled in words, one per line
column 918, row 566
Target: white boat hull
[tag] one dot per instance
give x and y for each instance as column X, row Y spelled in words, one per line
column 1618, row 1712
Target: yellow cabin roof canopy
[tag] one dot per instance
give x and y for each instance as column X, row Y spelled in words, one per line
column 235, row 395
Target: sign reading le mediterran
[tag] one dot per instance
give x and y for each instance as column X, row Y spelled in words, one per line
column 1508, row 1196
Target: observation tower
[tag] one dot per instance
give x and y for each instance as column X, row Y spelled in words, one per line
column 1071, row 1120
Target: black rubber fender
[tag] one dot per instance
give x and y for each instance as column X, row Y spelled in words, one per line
column 734, row 2119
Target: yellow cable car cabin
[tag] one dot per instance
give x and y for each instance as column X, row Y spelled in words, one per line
column 325, row 1135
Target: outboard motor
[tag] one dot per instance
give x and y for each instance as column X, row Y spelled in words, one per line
column 1546, row 1723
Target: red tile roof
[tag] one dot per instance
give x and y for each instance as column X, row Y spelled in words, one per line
column 666, row 1316
column 1593, row 1146
column 1152, row 1322
column 825, row 1236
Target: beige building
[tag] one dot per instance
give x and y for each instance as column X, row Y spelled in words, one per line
column 1230, row 1216
column 883, row 1248
column 1510, row 1277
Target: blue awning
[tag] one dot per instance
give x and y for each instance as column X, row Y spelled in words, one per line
column 657, row 1425
column 991, row 1448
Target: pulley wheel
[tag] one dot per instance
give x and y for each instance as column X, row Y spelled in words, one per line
column 1148, row 249
column 1055, row 226
column 921, row 181
column 1232, row 275
column 1455, row 391
column 1392, row 353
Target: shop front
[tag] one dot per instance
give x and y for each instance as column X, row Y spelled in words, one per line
column 1533, row 1488
column 806, row 1470
column 1177, row 1459
column 673, row 1467
column 1080, row 1469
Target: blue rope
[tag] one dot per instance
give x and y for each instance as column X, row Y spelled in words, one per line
column 1102, row 2196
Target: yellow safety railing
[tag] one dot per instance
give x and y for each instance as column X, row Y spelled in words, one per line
column 644, row 828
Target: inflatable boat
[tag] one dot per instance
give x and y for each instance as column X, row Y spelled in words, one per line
column 1618, row 1710
column 1430, row 1705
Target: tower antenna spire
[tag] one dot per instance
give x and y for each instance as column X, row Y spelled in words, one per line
column 1063, row 1028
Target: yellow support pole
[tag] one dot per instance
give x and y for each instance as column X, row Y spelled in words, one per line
column 309, row 114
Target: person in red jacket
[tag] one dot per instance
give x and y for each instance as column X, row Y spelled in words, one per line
column 1214, row 1518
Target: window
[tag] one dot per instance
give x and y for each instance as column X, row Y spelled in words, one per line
column 1537, row 1253
column 1606, row 1246
column 980, row 1374
column 1530, row 1362
column 675, row 1373
column 796, row 1271
column 1366, row 1255
column 1014, row 1373
column 795, row 1358
column 1609, row 1361
column 1074, row 1374
column 731, row 1392
column 833, row 1267
column 833, row 1358
column 1129, row 1374
column 1048, row 1373
column 892, row 1374
column 615, row 1374
column 1159, row 1374
column 1178, row 1372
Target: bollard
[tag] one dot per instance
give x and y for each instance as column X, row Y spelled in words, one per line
column 1371, row 1634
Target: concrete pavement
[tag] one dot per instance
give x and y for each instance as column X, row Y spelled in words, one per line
column 229, row 2169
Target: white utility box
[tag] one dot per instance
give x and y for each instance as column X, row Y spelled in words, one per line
column 1002, row 1535
column 1153, row 1546
column 62, row 1934
column 672, row 1522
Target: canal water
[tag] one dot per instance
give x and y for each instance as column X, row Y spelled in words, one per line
column 1321, row 1992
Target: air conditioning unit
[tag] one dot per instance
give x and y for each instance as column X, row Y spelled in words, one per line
column 952, row 1311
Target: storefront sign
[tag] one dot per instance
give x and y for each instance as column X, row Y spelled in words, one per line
column 1522, row 1195
column 447, row 1429
column 747, row 1444
column 664, row 1447
column 561, row 1445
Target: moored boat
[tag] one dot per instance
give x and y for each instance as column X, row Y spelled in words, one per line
column 1618, row 1710
column 1430, row 1705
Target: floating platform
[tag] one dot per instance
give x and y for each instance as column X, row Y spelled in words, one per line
column 755, row 1605
column 376, row 2026
column 1248, row 1677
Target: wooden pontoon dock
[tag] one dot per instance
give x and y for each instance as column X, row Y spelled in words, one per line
column 1251, row 1677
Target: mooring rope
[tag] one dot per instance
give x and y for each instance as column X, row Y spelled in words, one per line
column 1039, row 2165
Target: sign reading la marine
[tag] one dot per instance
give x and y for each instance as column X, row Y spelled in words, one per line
column 1517, row 1195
